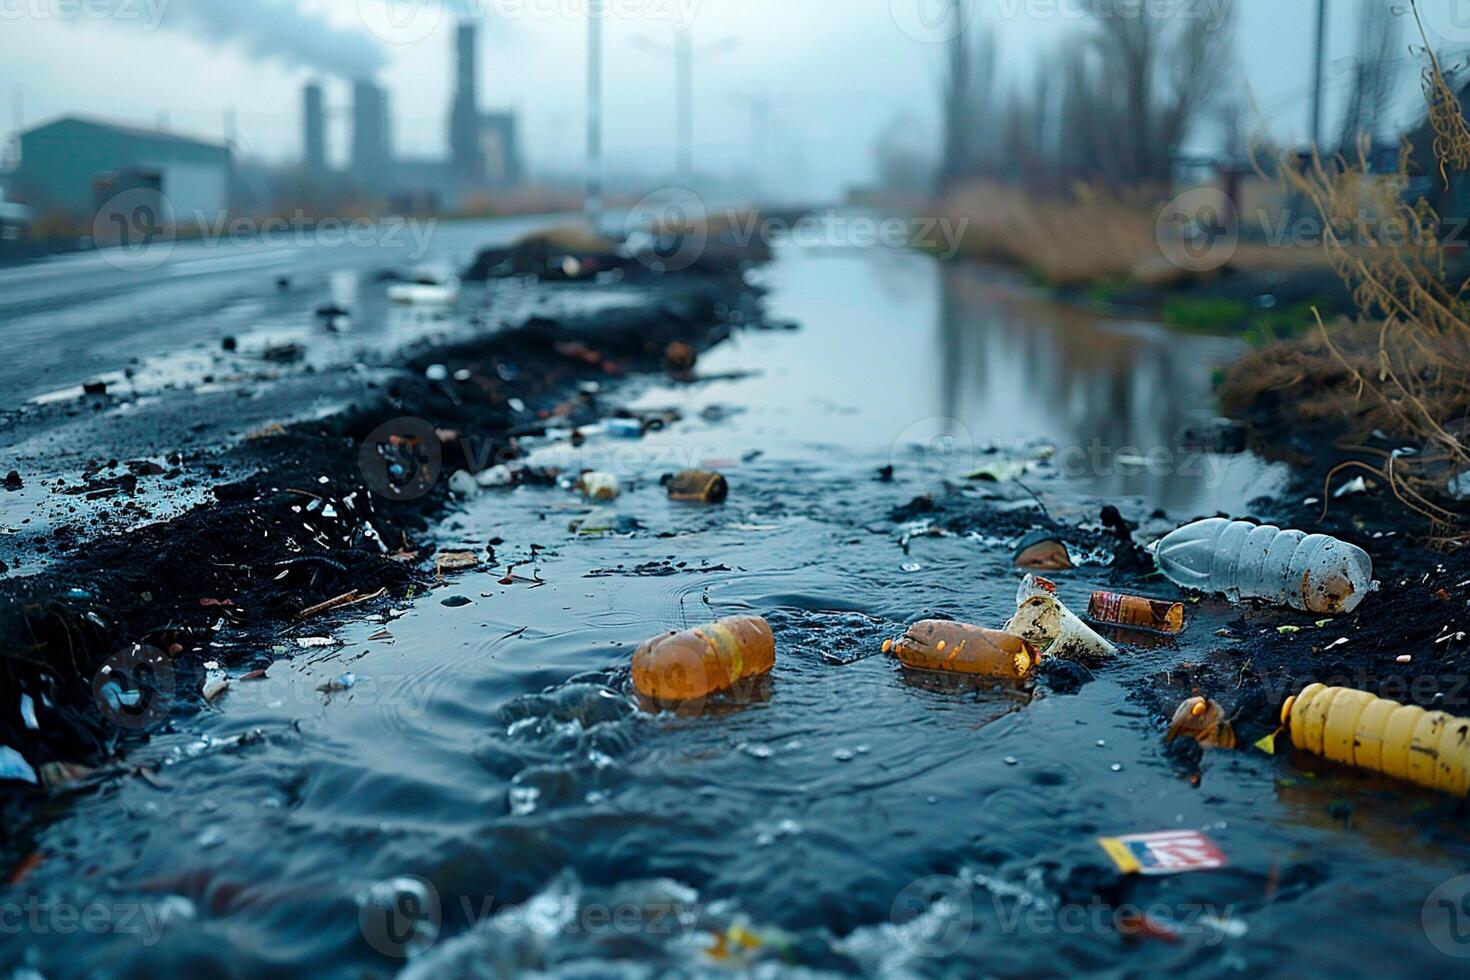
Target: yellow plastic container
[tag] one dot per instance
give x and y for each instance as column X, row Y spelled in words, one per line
column 1407, row 742
column 939, row 644
column 698, row 662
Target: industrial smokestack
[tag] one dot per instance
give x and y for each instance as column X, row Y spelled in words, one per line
column 371, row 153
column 464, row 114
column 314, row 123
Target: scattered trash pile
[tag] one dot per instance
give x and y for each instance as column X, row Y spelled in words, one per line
column 139, row 625
column 1313, row 573
column 573, row 254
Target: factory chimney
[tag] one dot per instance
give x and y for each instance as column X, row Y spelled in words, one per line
column 314, row 122
column 465, row 148
column 371, row 155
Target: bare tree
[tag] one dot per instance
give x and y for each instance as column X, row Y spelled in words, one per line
column 967, row 103
column 1168, row 62
column 1375, row 74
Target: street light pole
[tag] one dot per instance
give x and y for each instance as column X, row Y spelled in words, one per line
column 1319, row 66
column 684, row 54
column 684, row 84
column 593, row 203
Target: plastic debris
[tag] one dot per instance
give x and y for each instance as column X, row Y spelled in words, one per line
column 698, row 486
column 599, row 486
column 941, row 644
column 463, row 484
column 697, row 662
column 14, row 767
column 1309, row 572
column 345, row 682
column 54, row 774
column 1055, row 630
column 444, row 293
column 455, row 561
column 28, row 712
column 499, row 475
column 1034, row 585
column 620, row 428
column 1355, row 728
column 1002, row 470
column 1204, row 721
column 1164, row 853
column 1136, row 612
column 1042, row 551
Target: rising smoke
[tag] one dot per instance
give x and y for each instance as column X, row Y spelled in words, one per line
column 280, row 30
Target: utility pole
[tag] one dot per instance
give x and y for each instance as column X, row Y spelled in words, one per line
column 1318, row 68
column 593, row 203
column 684, row 86
column 957, row 117
column 760, row 126
column 685, row 53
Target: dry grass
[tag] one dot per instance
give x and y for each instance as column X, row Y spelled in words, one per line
column 1404, row 366
column 575, row 239
column 1086, row 237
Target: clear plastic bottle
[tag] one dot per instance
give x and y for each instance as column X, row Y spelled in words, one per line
column 1311, row 572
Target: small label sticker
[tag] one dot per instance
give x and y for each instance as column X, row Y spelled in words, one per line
column 1166, row 853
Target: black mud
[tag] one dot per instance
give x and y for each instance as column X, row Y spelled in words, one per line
column 230, row 579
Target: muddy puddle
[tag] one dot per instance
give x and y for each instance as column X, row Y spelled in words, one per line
column 468, row 789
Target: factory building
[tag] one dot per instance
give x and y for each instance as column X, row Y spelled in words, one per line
column 499, row 150
column 465, row 149
column 483, row 147
column 73, row 165
column 314, row 136
column 372, row 152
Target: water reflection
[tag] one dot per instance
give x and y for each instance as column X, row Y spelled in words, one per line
column 1113, row 396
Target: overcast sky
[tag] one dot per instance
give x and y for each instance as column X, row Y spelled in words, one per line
column 837, row 72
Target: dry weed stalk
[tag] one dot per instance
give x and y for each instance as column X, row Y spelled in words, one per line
column 1415, row 379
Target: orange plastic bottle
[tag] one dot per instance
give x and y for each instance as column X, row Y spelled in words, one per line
column 697, row 662
column 698, row 486
column 1204, row 721
column 1137, row 612
column 939, row 644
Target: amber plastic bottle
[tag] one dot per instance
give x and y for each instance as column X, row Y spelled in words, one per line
column 698, row 486
column 1204, row 721
column 695, row 663
column 1355, row 728
column 939, row 644
column 1136, row 612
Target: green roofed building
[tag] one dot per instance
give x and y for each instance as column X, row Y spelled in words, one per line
column 75, row 165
